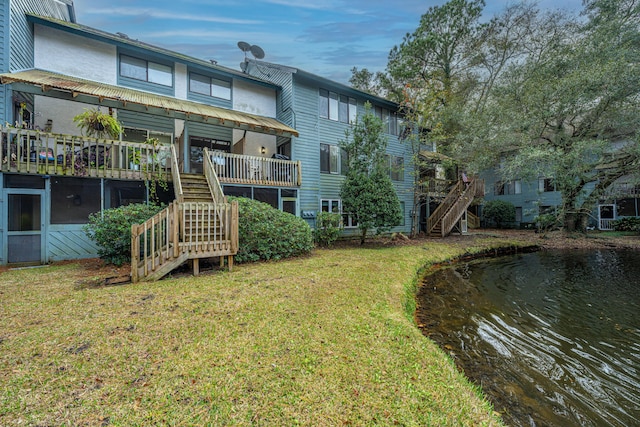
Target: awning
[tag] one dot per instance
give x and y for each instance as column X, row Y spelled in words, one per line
column 48, row 80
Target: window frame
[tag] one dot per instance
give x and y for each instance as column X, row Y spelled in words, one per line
column 332, row 164
column 151, row 69
column 347, row 220
column 337, row 107
column 212, row 84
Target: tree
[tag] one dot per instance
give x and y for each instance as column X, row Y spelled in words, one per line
column 367, row 193
column 567, row 110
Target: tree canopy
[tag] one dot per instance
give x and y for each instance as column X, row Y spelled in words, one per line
column 531, row 93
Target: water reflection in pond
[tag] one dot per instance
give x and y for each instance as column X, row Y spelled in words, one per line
column 552, row 337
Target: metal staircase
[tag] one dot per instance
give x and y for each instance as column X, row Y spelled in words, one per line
column 200, row 223
column 443, row 220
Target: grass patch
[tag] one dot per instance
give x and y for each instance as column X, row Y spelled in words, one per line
column 327, row 339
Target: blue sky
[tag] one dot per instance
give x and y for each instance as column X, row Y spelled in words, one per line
column 324, row 37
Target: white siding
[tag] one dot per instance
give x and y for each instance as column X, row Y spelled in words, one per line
column 75, row 56
column 254, row 99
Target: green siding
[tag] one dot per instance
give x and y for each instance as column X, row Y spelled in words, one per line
column 529, row 199
column 69, row 242
column 209, row 131
column 146, row 121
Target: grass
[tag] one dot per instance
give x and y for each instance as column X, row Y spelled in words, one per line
column 325, row 340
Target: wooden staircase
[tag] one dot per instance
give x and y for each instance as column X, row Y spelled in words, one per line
column 443, row 220
column 200, row 223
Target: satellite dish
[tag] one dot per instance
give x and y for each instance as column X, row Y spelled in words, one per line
column 257, row 51
column 244, row 46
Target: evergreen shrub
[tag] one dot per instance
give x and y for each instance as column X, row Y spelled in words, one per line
column 627, row 224
column 266, row 233
column 111, row 230
column 328, row 228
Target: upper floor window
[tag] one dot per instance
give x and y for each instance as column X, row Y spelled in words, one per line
column 333, row 159
column 209, row 86
column 337, row 107
column 147, row 71
column 396, row 167
column 389, row 120
column 508, row 188
column 546, row 185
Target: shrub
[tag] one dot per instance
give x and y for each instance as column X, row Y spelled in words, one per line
column 111, row 230
column 266, row 233
column 499, row 211
column 328, row 228
column 627, row 224
column 546, row 222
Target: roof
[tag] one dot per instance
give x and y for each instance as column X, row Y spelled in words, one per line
column 123, row 40
column 327, row 83
column 48, row 80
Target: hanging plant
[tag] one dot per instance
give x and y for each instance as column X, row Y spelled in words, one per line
column 97, row 124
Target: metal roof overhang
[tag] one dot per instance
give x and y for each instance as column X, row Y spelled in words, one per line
column 48, row 81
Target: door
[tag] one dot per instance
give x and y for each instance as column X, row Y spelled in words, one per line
column 606, row 215
column 25, row 226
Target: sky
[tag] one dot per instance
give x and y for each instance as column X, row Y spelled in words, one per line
column 323, row 37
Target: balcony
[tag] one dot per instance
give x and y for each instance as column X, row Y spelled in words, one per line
column 253, row 170
column 35, row 152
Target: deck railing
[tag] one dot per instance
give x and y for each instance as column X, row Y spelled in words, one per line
column 180, row 232
column 36, row 152
column 212, row 178
column 453, row 215
column 444, row 207
column 240, row 169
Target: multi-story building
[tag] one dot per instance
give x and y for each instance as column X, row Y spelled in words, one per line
column 270, row 136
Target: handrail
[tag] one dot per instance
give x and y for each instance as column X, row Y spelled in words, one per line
column 444, row 207
column 47, row 153
column 183, row 231
column 452, row 216
column 242, row 169
column 175, row 175
column 154, row 241
column 212, row 178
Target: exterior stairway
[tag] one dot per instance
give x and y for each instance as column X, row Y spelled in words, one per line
column 443, row 220
column 200, row 223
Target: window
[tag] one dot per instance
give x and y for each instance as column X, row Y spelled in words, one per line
column 209, row 86
column 147, row 71
column 337, row 107
column 518, row 214
column 335, row 206
column 396, row 168
column 546, row 185
column 389, row 120
column 333, row 159
column 508, row 188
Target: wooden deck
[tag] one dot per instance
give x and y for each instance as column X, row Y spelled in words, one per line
column 41, row 153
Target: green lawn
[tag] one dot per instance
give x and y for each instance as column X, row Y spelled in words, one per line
column 325, row 340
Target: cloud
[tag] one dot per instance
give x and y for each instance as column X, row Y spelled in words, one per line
column 160, row 14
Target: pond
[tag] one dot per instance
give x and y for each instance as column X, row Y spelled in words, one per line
column 552, row 337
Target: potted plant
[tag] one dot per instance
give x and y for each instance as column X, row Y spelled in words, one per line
column 97, row 124
column 135, row 156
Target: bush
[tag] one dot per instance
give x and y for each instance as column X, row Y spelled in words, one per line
column 111, row 230
column 546, row 222
column 328, row 228
column 627, row 224
column 499, row 211
column 266, row 233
